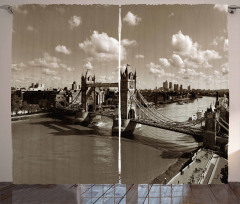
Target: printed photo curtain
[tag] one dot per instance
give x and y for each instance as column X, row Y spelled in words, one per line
column 120, row 94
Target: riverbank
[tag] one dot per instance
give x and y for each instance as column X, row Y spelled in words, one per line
column 171, row 172
column 174, row 169
column 27, row 116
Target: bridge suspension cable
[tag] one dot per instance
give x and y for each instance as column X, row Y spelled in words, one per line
column 162, row 117
column 71, row 105
column 146, row 103
column 151, row 114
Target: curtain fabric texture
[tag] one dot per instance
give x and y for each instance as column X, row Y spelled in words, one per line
column 120, row 94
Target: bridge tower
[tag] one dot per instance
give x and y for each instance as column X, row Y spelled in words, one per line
column 88, row 98
column 128, row 88
column 211, row 127
column 128, row 106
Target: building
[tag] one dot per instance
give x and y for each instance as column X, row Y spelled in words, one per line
column 175, row 87
column 181, row 88
column 36, row 87
column 74, row 85
column 189, row 88
column 170, row 85
column 38, row 97
column 165, row 85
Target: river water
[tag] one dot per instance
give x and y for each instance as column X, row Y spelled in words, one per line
column 46, row 150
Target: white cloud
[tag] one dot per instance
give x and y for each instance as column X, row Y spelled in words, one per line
column 156, row 70
column 49, row 72
column 64, row 66
column 18, row 67
column 139, row 56
column 75, row 21
column 191, row 53
column 225, row 45
column 190, row 73
column 217, row 73
column 225, row 69
column 49, row 62
column 170, row 15
column 62, row 49
column 30, row 28
column 182, row 44
column 126, row 42
column 104, row 48
column 221, row 41
column 88, row 66
column 164, row 62
column 217, row 40
column 46, row 61
column 176, row 61
column 221, row 7
column 56, row 78
column 131, row 19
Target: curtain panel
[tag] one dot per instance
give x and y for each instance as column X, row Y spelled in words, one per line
column 120, row 94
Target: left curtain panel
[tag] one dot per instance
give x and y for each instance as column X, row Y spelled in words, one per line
column 65, row 94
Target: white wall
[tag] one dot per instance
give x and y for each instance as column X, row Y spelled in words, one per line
column 5, row 77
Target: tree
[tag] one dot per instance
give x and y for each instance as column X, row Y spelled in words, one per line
column 15, row 103
column 224, row 172
column 25, row 106
column 43, row 103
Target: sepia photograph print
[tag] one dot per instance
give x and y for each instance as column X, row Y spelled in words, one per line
column 174, row 94
column 131, row 94
column 65, row 94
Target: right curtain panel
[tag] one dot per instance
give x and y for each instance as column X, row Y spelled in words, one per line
column 174, row 94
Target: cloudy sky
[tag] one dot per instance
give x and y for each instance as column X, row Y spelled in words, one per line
column 55, row 44
column 180, row 43
column 184, row 44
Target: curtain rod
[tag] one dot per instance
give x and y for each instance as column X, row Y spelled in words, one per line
column 231, row 9
column 7, row 7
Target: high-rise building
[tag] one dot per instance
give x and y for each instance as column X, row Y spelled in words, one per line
column 74, row 85
column 170, row 85
column 189, row 88
column 165, row 85
column 175, row 87
column 181, row 88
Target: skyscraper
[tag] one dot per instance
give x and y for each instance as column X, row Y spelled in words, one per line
column 176, row 87
column 181, row 87
column 74, row 85
column 170, row 85
column 165, row 85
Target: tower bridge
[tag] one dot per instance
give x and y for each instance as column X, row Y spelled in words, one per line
column 132, row 99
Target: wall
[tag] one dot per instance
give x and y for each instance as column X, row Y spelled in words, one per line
column 5, row 77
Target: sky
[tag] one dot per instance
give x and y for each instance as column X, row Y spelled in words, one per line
column 56, row 44
column 184, row 44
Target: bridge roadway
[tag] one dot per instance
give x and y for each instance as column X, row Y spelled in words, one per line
column 99, row 84
column 186, row 130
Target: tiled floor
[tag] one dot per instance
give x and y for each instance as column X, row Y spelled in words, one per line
column 119, row 193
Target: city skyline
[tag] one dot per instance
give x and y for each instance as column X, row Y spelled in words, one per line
column 190, row 54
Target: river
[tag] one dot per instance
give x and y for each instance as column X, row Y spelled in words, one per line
column 46, row 150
